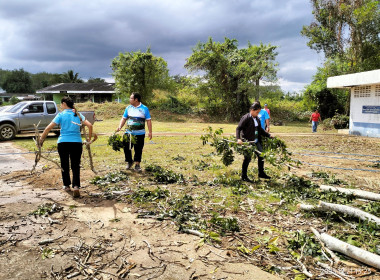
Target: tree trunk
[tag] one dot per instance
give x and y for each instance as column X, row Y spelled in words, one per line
column 354, row 252
column 351, row 211
column 357, row 193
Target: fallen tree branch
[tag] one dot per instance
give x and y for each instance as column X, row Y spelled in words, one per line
column 193, row 232
column 351, row 211
column 37, row 142
column 332, row 271
column 47, row 241
column 332, row 254
column 349, row 250
column 354, row 192
column 88, row 147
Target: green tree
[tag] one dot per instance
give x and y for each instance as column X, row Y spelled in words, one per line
column 346, row 29
column 44, row 79
column 327, row 101
column 18, row 81
column 70, row 77
column 95, row 80
column 231, row 74
column 139, row 72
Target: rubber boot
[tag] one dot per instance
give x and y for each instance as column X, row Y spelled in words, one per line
column 260, row 164
column 244, row 170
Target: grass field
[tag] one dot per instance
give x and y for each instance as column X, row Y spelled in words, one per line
column 188, row 183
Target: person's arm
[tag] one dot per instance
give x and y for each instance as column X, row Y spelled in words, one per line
column 46, row 132
column 239, row 128
column 149, row 123
column 89, row 125
column 121, row 124
column 319, row 118
column 267, row 125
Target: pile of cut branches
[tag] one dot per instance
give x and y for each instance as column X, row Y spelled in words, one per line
column 274, row 149
column 117, row 141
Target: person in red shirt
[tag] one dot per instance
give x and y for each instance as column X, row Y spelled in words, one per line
column 267, row 109
column 315, row 118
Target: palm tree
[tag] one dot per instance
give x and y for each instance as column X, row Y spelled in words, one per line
column 70, row 77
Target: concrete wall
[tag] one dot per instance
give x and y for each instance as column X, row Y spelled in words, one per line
column 365, row 110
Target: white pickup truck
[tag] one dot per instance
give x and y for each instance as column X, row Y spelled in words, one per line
column 22, row 117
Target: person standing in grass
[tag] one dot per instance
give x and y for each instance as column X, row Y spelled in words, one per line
column 267, row 109
column 135, row 116
column 264, row 119
column 249, row 129
column 315, row 118
column 69, row 142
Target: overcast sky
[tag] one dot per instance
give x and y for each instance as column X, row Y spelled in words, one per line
column 56, row 36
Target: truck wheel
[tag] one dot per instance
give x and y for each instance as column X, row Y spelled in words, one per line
column 7, row 132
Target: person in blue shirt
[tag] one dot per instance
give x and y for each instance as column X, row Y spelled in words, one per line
column 264, row 119
column 135, row 116
column 69, row 142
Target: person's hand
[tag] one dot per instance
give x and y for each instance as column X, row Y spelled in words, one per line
column 239, row 142
column 118, row 129
column 150, row 135
column 41, row 142
column 267, row 129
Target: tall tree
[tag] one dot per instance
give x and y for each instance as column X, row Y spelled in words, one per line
column 347, row 29
column 18, row 81
column 44, row 79
column 92, row 80
column 231, row 74
column 70, row 77
column 139, row 72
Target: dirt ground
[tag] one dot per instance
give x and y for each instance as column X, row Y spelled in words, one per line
column 96, row 236
column 104, row 239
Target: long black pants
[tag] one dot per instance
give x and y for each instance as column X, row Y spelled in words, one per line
column 247, row 160
column 138, row 147
column 70, row 152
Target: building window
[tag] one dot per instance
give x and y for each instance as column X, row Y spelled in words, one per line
column 364, row 91
column 377, row 91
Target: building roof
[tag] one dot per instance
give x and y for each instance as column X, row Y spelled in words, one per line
column 352, row 80
column 79, row 88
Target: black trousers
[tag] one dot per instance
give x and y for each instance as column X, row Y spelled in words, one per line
column 138, row 147
column 70, row 152
column 247, row 160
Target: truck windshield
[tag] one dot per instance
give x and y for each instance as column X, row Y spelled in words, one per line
column 16, row 107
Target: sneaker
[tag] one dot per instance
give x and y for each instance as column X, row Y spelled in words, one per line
column 264, row 176
column 66, row 188
column 138, row 168
column 129, row 165
column 76, row 192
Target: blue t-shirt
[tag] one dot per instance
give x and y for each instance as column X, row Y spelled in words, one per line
column 263, row 116
column 70, row 129
column 136, row 117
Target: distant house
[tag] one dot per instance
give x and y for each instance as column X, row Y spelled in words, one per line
column 6, row 97
column 365, row 101
column 79, row 92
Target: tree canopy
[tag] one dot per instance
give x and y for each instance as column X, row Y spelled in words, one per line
column 70, row 77
column 139, row 72
column 17, row 81
column 231, row 74
column 346, row 29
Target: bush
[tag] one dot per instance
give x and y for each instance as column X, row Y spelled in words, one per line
column 170, row 102
column 14, row 100
column 340, row 121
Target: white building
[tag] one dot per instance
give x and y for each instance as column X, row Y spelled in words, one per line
column 365, row 101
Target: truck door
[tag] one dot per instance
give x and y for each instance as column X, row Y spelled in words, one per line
column 31, row 116
column 51, row 112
